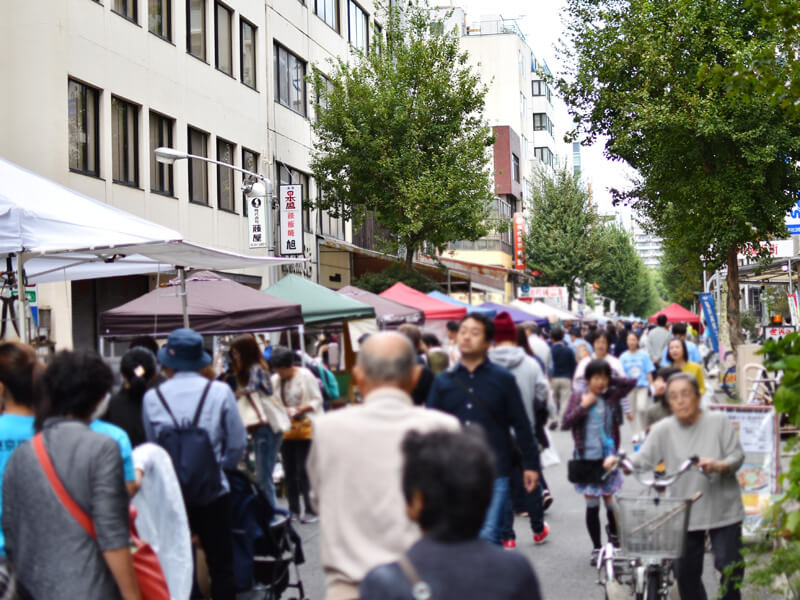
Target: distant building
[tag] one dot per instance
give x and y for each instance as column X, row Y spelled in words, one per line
column 576, row 158
column 648, row 246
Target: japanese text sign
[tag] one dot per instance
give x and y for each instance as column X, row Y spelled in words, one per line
column 519, row 241
column 257, row 228
column 291, row 215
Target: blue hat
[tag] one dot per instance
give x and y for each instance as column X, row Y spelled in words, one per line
column 184, row 351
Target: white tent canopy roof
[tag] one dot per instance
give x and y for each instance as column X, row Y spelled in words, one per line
column 546, row 311
column 64, row 235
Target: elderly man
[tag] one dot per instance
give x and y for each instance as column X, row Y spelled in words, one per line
column 356, row 463
column 719, row 512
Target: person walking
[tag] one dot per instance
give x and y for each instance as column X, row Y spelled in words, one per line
column 594, row 417
column 51, row 554
column 657, row 339
column 533, row 389
column 138, row 369
column 638, row 366
column 564, row 365
column 189, row 397
column 692, row 351
column 678, row 357
column 300, row 393
column 446, row 483
column 356, row 487
column 719, row 512
column 478, row 391
column 538, row 345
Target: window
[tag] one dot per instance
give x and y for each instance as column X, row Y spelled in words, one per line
column 515, row 166
column 247, row 59
column 540, row 88
column 289, row 176
column 160, row 136
column 83, row 106
column 290, row 80
column 249, row 163
column 159, row 18
column 357, row 26
column 196, row 28
column 327, row 224
column 328, row 11
column 223, row 52
column 124, row 142
column 541, row 122
column 125, row 8
column 322, row 97
column 225, row 184
column 544, row 154
column 198, row 169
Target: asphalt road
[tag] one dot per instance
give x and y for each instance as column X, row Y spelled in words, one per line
column 561, row 563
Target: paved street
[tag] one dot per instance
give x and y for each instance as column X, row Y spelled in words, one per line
column 562, row 563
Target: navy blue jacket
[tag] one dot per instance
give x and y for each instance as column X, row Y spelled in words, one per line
column 563, row 358
column 497, row 388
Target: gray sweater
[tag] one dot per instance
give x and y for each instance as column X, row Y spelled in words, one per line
column 531, row 381
column 53, row 556
column 711, row 436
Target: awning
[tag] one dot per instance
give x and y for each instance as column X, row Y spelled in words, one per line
column 517, row 315
column 675, row 313
column 388, row 312
column 433, row 309
column 489, row 312
column 319, row 304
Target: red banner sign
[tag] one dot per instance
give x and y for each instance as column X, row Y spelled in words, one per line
column 519, row 241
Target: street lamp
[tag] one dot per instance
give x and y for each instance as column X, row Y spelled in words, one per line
column 259, row 187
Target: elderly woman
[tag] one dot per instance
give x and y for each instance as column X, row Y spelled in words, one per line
column 719, row 512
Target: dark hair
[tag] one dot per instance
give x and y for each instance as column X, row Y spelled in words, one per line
column 661, row 320
column 522, row 340
column 683, row 345
column 556, row 334
column 281, row 357
column 576, row 332
column 679, row 329
column 485, row 320
column 413, row 333
column 665, row 373
column 74, row 383
column 138, row 366
column 600, row 333
column 18, row 372
column 597, row 367
column 454, row 472
column 430, row 340
column 249, row 353
column 144, row 341
column 452, row 326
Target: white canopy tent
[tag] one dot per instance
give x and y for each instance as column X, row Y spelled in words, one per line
column 53, row 233
column 546, row 311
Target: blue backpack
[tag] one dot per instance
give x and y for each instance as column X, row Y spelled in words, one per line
column 192, row 454
column 329, row 384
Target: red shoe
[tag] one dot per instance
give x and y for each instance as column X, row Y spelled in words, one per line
column 509, row 544
column 539, row 538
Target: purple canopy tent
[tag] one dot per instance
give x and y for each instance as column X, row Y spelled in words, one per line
column 389, row 313
column 517, row 315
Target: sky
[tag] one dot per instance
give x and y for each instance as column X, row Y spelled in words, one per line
column 541, row 23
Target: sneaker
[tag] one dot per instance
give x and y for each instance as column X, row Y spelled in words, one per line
column 547, row 500
column 595, row 557
column 509, row 544
column 539, row 538
column 309, row 518
column 553, row 425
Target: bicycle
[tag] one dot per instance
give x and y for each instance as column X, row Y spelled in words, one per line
column 652, row 532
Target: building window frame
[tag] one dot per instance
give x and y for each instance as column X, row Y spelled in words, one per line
column 357, row 26
column 161, row 175
column 286, row 175
column 226, row 199
column 84, row 128
column 159, row 23
column 515, row 167
column 252, row 80
column 221, row 53
column 540, row 88
column 250, row 160
column 127, row 9
column 327, row 225
column 328, row 12
column 202, row 32
column 124, row 142
column 198, row 167
column 284, row 84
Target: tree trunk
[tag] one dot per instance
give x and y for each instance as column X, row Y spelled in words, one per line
column 409, row 262
column 734, row 318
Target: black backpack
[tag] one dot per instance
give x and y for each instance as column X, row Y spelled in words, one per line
column 192, row 455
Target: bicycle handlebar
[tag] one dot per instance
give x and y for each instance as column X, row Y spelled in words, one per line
column 661, row 483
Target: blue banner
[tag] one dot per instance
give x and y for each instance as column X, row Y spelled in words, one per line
column 710, row 313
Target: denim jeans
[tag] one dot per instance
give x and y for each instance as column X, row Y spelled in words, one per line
column 266, row 444
column 492, row 529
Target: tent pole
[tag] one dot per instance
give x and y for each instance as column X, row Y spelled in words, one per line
column 301, row 335
column 23, row 303
column 184, row 299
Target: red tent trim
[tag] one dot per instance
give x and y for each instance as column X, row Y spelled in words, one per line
column 676, row 314
column 433, row 309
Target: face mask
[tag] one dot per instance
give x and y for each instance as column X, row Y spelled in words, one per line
column 101, row 408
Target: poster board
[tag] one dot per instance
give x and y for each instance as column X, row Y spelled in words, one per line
column 757, row 427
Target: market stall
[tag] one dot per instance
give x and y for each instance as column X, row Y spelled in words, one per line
column 435, row 310
column 517, row 315
column 490, row 312
column 675, row 313
column 389, row 313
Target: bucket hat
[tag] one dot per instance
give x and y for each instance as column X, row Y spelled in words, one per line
column 184, row 351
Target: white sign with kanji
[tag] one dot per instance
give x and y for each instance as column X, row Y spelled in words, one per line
column 255, row 220
column 291, row 215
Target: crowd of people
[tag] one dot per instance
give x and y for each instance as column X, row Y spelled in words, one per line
column 445, row 444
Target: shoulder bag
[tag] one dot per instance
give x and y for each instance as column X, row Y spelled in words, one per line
column 149, row 576
column 583, row 471
column 419, row 589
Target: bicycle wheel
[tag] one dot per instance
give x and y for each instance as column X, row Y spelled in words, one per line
column 652, row 584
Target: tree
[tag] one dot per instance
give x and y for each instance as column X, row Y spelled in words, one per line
column 681, row 274
column 565, row 242
column 622, row 276
column 379, row 282
column 399, row 133
column 718, row 173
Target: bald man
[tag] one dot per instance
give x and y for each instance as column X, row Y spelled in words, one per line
column 356, row 463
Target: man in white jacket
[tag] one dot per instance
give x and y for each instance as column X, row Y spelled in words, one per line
column 533, row 388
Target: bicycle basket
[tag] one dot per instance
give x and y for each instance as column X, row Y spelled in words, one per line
column 653, row 525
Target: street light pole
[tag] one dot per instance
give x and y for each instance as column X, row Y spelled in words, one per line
column 168, row 156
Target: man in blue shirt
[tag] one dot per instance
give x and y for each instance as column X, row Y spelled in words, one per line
column 477, row 391
column 679, row 331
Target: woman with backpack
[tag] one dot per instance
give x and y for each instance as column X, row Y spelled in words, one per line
column 253, row 389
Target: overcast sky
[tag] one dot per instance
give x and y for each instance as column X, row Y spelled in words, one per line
column 540, row 21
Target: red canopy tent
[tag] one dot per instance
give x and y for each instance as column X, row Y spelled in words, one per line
column 677, row 314
column 433, row 309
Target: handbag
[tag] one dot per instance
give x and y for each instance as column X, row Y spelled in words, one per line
column 301, row 429
column 149, row 575
column 251, row 410
column 277, row 417
column 585, row 471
